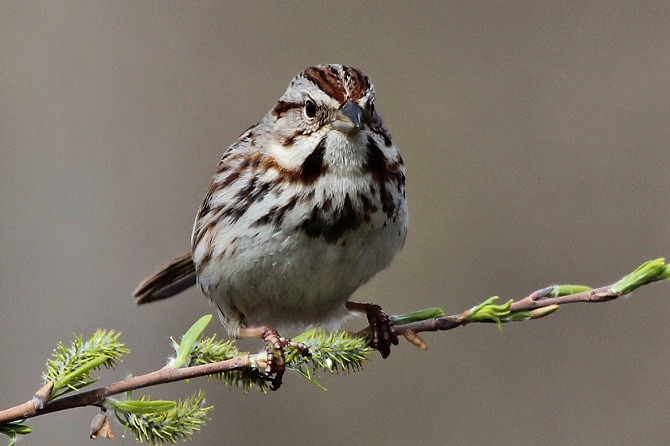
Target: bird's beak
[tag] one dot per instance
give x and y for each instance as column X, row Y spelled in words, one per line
column 348, row 118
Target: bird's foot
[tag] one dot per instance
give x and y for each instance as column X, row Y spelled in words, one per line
column 274, row 348
column 383, row 333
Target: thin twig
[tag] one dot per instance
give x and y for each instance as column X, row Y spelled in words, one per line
column 96, row 397
column 536, row 305
column 534, row 301
column 167, row 374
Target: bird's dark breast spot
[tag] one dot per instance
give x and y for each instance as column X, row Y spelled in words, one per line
column 384, row 175
column 331, row 226
column 275, row 215
column 313, row 166
column 375, row 162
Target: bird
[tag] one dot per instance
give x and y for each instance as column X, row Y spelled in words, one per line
column 304, row 208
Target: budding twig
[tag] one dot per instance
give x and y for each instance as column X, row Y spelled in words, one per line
column 542, row 302
column 70, row 369
column 96, row 397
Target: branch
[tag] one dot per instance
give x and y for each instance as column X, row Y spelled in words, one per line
column 159, row 422
column 540, row 303
column 97, row 397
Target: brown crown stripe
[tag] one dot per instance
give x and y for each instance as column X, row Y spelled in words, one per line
column 358, row 83
column 328, row 81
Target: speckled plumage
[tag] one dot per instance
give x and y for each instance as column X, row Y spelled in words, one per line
column 305, row 207
column 299, row 215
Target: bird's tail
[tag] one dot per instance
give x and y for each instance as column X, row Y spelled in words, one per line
column 172, row 279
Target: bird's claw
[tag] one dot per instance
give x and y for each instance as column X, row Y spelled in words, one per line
column 276, row 361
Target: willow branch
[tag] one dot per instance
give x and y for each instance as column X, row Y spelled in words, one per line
column 542, row 302
column 534, row 301
column 536, row 305
column 96, row 397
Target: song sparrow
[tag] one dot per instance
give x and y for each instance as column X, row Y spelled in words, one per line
column 305, row 207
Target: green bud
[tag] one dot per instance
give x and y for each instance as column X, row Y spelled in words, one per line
column 416, row 316
column 142, row 406
column 487, row 311
column 542, row 312
column 517, row 316
column 649, row 271
column 567, row 290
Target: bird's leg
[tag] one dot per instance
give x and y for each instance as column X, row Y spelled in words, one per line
column 274, row 347
column 383, row 332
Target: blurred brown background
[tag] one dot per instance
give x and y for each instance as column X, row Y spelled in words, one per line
column 536, row 137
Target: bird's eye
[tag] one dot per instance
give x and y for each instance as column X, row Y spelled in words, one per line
column 310, row 109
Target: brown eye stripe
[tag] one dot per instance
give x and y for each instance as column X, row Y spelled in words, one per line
column 283, row 106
